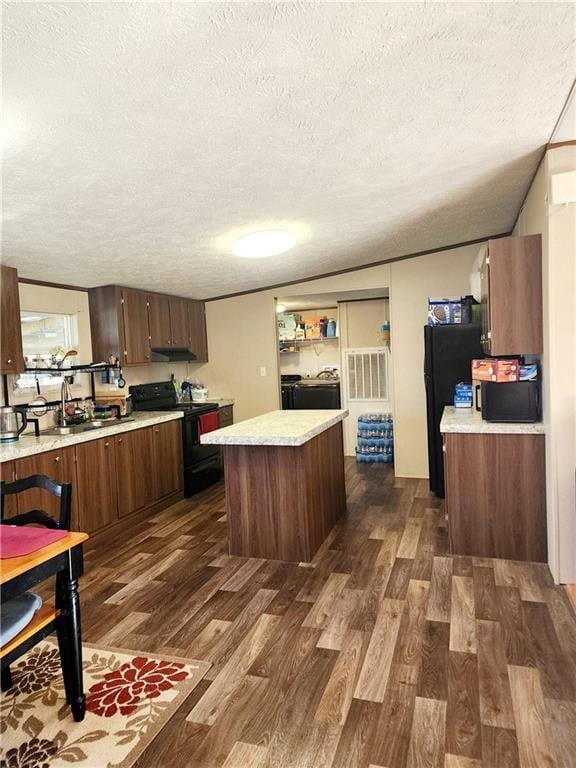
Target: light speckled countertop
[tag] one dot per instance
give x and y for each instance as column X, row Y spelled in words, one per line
column 221, row 401
column 470, row 420
column 276, row 428
column 29, row 445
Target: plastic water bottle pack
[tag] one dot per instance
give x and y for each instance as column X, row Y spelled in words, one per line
column 375, row 438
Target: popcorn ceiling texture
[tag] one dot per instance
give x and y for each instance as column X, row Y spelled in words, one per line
column 139, row 133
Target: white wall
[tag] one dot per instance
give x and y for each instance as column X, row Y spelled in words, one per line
column 557, row 225
column 241, row 339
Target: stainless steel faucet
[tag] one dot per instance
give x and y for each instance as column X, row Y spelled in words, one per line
column 65, row 395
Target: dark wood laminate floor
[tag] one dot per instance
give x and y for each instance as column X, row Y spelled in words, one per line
column 384, row 652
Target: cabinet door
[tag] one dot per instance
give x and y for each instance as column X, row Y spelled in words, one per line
column 197, row 330
column 225, row 416
column 496, row 495
column 134, row 471
column 515, row 295
column 136, row 331
column 11, row 358
column 8, row 472
column 179, row 322
column 97, row 495
column 59, row 466
column 159, row 318
column 485, row 337
column 167, row 457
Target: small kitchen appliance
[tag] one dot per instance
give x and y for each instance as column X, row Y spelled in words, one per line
column 509, row 401
column 10, row 430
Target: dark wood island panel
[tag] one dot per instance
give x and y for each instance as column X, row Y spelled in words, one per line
column 282, row 501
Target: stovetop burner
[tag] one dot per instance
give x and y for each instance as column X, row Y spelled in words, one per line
column 161, row 396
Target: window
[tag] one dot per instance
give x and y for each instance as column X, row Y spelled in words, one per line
column 46, row 337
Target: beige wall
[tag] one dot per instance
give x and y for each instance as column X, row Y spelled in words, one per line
column 361, row 322
column 241, row 339
column 413, row 281
column 557, row 225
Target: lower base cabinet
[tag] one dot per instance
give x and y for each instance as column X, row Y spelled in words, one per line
column 96, row 484
column 496, row 495
column 60, row 466
column 167, row 474
column 112, row 477
column 134, row 467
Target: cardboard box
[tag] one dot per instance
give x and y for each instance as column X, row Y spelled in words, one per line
column 312, row 327
column 492, row 369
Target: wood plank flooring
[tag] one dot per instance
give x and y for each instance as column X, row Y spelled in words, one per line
column 384, row 652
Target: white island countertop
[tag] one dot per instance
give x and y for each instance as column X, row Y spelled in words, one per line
column 276, row 428
column 28, row 445
column 469, row 420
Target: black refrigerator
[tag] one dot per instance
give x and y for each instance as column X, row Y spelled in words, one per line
column 448, row 352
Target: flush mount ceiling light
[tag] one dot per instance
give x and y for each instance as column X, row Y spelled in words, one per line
column 258, row 245
column 280, row 308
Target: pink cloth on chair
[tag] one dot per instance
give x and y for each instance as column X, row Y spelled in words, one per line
column 17, row 540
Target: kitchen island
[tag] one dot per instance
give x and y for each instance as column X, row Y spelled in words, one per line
column 284, row 482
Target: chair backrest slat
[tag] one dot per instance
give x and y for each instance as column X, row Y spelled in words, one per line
column 63, row 491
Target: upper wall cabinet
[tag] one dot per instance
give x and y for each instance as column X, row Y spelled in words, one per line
column 197, row 340
column 119, row 324
column 511, row 278
column 11, row 357
column 130, row 323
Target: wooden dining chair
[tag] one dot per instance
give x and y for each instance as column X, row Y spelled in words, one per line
column 47, row 618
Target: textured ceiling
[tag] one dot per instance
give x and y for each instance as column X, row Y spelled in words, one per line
column 140, row 135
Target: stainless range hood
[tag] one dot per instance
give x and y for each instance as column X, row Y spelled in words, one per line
column 172, row 355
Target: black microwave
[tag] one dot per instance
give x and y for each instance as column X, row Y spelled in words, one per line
column 512, row 401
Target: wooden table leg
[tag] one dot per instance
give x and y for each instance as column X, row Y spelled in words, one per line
column 70, row 635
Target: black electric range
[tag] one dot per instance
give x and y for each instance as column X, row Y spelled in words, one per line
column 202, row 463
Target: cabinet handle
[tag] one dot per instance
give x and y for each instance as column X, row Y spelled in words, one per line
column 57, row 459
column 157, row 431
column 120, row 440
column 9, row 362
column 106, row 445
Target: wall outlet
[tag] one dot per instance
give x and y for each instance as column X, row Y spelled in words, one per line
column 263, row 371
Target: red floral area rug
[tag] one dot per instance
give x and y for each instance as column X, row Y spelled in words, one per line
column 129, row 698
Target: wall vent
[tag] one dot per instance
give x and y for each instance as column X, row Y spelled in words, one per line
column 366, row 374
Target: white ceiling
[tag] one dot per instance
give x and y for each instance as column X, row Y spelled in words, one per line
column 140, row 135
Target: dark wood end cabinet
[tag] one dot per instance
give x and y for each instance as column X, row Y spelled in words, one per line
column 11, row 356
column 511, row 305
column 496, row 495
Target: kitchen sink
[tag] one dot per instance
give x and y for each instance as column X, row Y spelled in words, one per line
column 78, row 429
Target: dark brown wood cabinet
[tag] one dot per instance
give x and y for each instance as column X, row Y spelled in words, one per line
column 96, row 483
column 197, row 338
column 128, row 323
column 495, row 495
column 60, row 466
column 11, row 357
column 134, row 466
column 159, row 319
column 511, row 305
column 136, row 330
column 178, row 321
column 225, row 416
column 119, row 324
column 8, row 475
column 167, row 475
